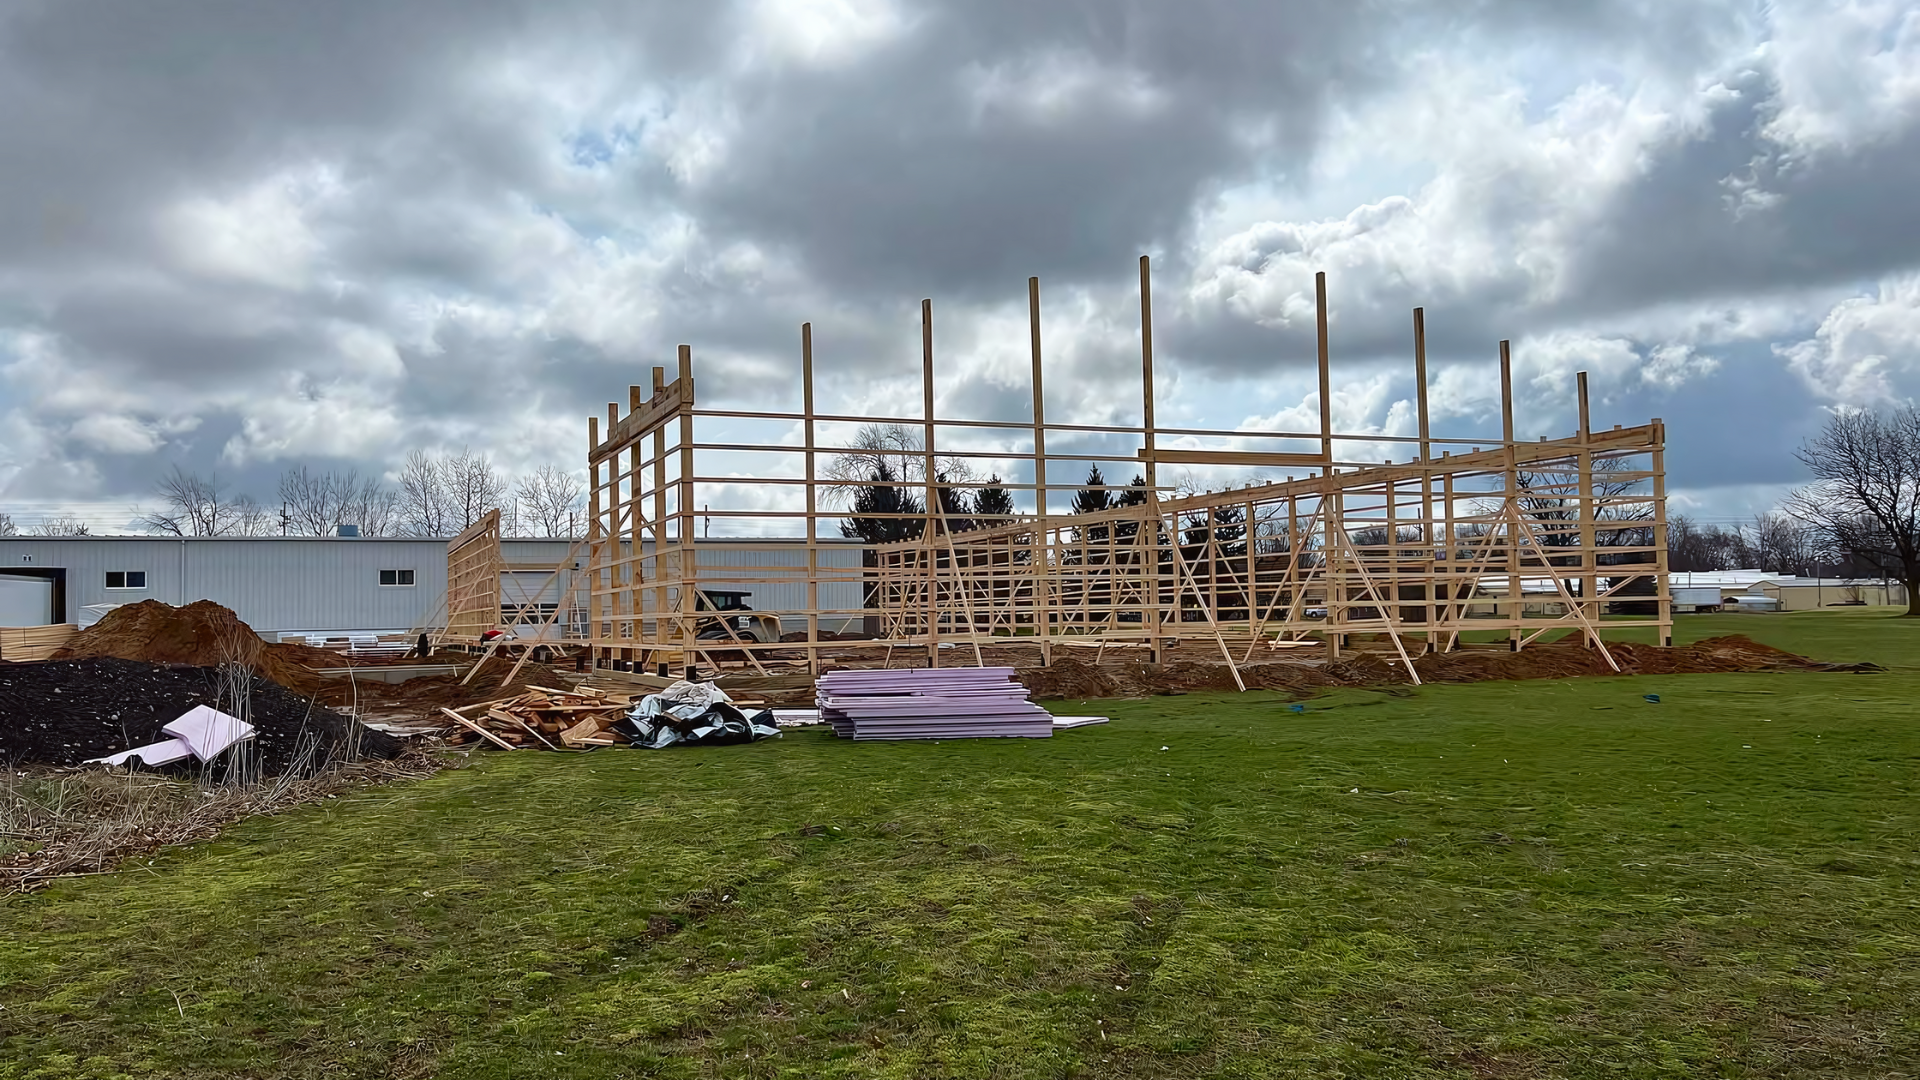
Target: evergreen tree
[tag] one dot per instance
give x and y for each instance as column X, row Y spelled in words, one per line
column 883, row 495
column 992, row 505
column 956, row 508
column 1094, row 497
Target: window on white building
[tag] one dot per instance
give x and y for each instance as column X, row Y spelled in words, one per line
column 396, row 577
column 126, row 579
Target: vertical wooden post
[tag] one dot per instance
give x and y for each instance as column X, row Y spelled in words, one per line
column 1426, row 465
column 933, row 507
column 1663, row 596
column 1452, row 549
column 1390, row 604
column 1151, row 614
column 1042, row 548
column 636, row 515
column 660, row 541
column 813, row 508
column 1332, row 516
column 689, row 557
column 595, row 544
column 1516, row 607
column 1326, row 372
column 1589, row 513
column 620, row 581
column 1253, row 563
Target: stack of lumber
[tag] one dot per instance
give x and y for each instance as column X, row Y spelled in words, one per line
column 24, row 643
column 543, row 719
column 930, row 703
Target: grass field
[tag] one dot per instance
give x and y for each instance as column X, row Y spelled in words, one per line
column 1496, row 880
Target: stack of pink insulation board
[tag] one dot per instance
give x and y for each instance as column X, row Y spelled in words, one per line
column 930, row 703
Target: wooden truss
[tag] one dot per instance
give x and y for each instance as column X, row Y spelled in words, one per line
column 1314, row 551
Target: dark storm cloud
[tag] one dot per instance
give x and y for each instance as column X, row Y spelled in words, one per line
column 1680, row 232
column 899, row 173
column 496, row 198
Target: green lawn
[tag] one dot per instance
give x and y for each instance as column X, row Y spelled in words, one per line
column 1844, row 635
column 1498, row 880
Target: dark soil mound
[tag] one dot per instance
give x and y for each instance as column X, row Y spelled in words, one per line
column 203, row 634
column 63, row 712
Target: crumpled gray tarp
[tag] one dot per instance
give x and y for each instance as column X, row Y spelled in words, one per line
column 692, row 714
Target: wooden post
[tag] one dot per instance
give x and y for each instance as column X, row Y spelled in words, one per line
column 813, row 509
column 660, row 540
column 1426, row 462
column 689, row 557
column 1332, row 517
column 1042, row 548
column 594, row 537
column 1589, row 512
column 1452, row 549
column 1516, row 607
column 1326, row 372
column 1151, row 614
column 622, row 583
column 1662, row 595
column 933, row 507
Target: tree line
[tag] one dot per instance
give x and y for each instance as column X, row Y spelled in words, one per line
column 433, row 495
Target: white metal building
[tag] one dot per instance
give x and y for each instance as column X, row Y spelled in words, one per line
column 1730, row 588
column 292, row 585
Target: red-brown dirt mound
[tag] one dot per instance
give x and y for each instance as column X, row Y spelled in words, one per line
column 1073, row 679
column 203, row 634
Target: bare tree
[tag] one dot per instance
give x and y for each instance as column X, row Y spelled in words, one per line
column 440, row 495
column 551, row 500
column 63, row 525
column 884, row 468
column 192, row 505
column 1864, row 503
column 474, row 487
column 1694, row 547
column 1781, row 544
column 316, row 504
column 7, row 527
column 422, row 505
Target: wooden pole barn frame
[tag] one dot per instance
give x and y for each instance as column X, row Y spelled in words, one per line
column 1521, row 538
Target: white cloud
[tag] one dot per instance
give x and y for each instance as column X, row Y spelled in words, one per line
column 306, row 418
column 259, row 235
column 1867, row 350
column 823, row 33
column 1509, row 205
column 117, row 434
column 1848, row 70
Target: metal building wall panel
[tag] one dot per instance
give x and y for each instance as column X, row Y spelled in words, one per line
column 318, row 584
column 325, row 584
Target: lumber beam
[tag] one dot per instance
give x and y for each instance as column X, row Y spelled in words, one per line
column 665, row 403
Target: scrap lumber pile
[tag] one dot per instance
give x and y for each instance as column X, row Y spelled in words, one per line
column 930, row 703
column 542, row 719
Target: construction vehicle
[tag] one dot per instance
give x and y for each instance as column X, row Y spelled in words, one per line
column 733, row 620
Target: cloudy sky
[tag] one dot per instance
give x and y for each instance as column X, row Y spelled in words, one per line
column 240, row 234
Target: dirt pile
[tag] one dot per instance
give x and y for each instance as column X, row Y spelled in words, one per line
column 1073, row 679
column 202, row 634
column 63, row 712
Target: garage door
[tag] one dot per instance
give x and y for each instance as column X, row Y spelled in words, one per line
column 25, row 601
